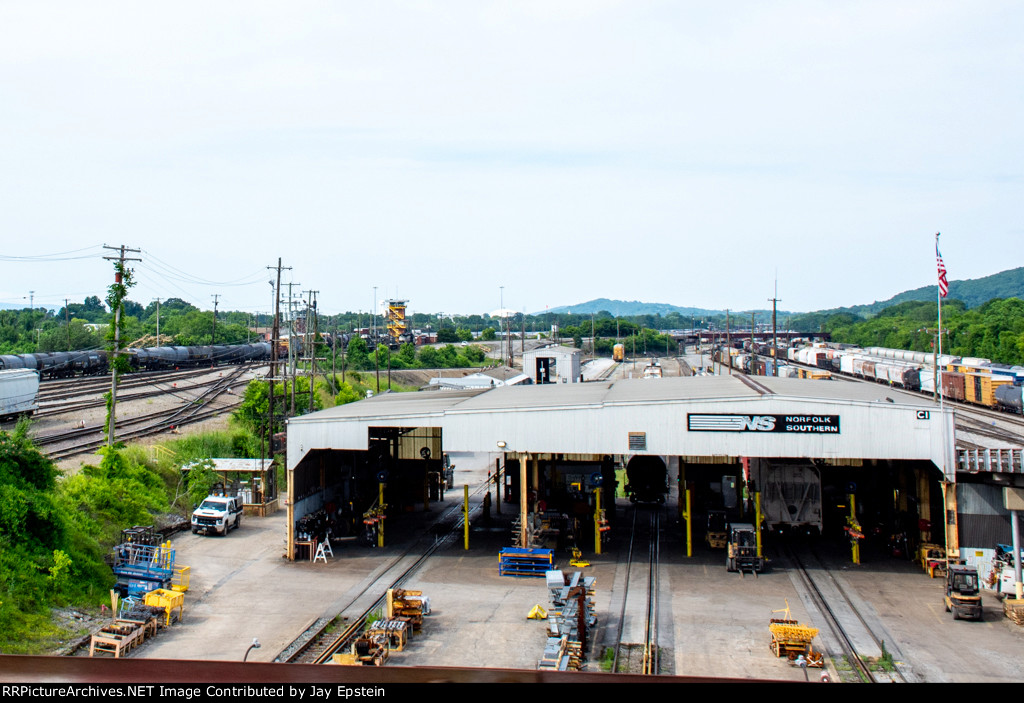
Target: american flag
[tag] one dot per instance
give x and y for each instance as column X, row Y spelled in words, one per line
column 943, row 283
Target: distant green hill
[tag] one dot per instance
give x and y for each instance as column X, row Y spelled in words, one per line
column 973, row 292
column 630, row 308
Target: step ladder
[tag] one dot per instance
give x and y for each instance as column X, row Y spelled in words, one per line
column 322, row 550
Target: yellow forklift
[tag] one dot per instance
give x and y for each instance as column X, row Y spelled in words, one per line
column 718, row 533
column 963, row 592
column 741, row 550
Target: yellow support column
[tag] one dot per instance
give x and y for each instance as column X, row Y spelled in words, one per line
column 951, row 527
column 380, row 521
column 757, row 522
column 924, row 503
column 855, row 531
column 597, row 520
column 689, row 522
column 524, row 533
column 465, row 515
column 535, row 472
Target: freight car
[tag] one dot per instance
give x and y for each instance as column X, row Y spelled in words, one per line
column 1014, row 373
column 19, row 389
column 646, row 479
column 964, row 379
column 95, row 362
column 791, row 497
column 1009, row 398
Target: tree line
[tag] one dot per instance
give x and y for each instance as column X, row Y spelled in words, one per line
column 994, row 330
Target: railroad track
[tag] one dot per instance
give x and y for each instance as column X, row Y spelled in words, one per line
column 857, row 639
column 61, row 408
column 87, row 439
column 89, row 385
column 607, row 373
column 323, row 639
column 640, row 657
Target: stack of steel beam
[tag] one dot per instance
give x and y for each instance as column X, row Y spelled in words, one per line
column 571, row 620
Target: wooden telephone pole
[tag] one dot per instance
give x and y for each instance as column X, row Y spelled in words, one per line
column 118, row 280
column 275, row 339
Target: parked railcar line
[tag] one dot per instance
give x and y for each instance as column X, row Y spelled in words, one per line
column 94, row 362
column 984, row 410
column 964, row 410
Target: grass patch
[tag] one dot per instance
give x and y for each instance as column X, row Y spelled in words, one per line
column 372, row 618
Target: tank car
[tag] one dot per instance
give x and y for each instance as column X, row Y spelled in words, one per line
column 12, row 361
column 1009, row 398
column 646, row 479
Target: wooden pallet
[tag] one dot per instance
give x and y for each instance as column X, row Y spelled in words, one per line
column 1014, row 609
column 117, row 638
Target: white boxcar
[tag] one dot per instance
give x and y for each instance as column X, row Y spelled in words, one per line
column 19, row 389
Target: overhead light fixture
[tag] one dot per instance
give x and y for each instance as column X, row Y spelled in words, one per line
column 501, row 444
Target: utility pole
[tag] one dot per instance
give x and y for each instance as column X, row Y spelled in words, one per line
column 334, row 356
column 158, row 322
column 312, row 335
column 753, row 349
column 728, row 342
column 775, row 332
column 117, row 337
column 67, row 322
column 291, row 343
column 213, row 335
column 274, row 353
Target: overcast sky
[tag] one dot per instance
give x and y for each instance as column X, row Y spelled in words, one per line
column 675, row 152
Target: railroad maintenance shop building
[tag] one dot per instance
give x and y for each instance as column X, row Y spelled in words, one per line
column 818, row 457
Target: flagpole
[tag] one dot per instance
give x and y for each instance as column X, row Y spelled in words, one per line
column 946, row 487
column 938, row 336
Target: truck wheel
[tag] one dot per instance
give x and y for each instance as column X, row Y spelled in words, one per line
column 238, row 522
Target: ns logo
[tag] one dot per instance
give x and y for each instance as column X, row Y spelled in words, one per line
column 759, row 423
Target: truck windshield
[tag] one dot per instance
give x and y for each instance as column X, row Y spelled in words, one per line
column 212, row 505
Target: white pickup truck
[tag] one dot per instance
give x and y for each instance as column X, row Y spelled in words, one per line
column 217, row 514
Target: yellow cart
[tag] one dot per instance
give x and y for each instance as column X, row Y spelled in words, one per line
column 168, row 600
column 792, row 639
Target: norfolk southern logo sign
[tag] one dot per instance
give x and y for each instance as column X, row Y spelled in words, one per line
column 816, row 424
